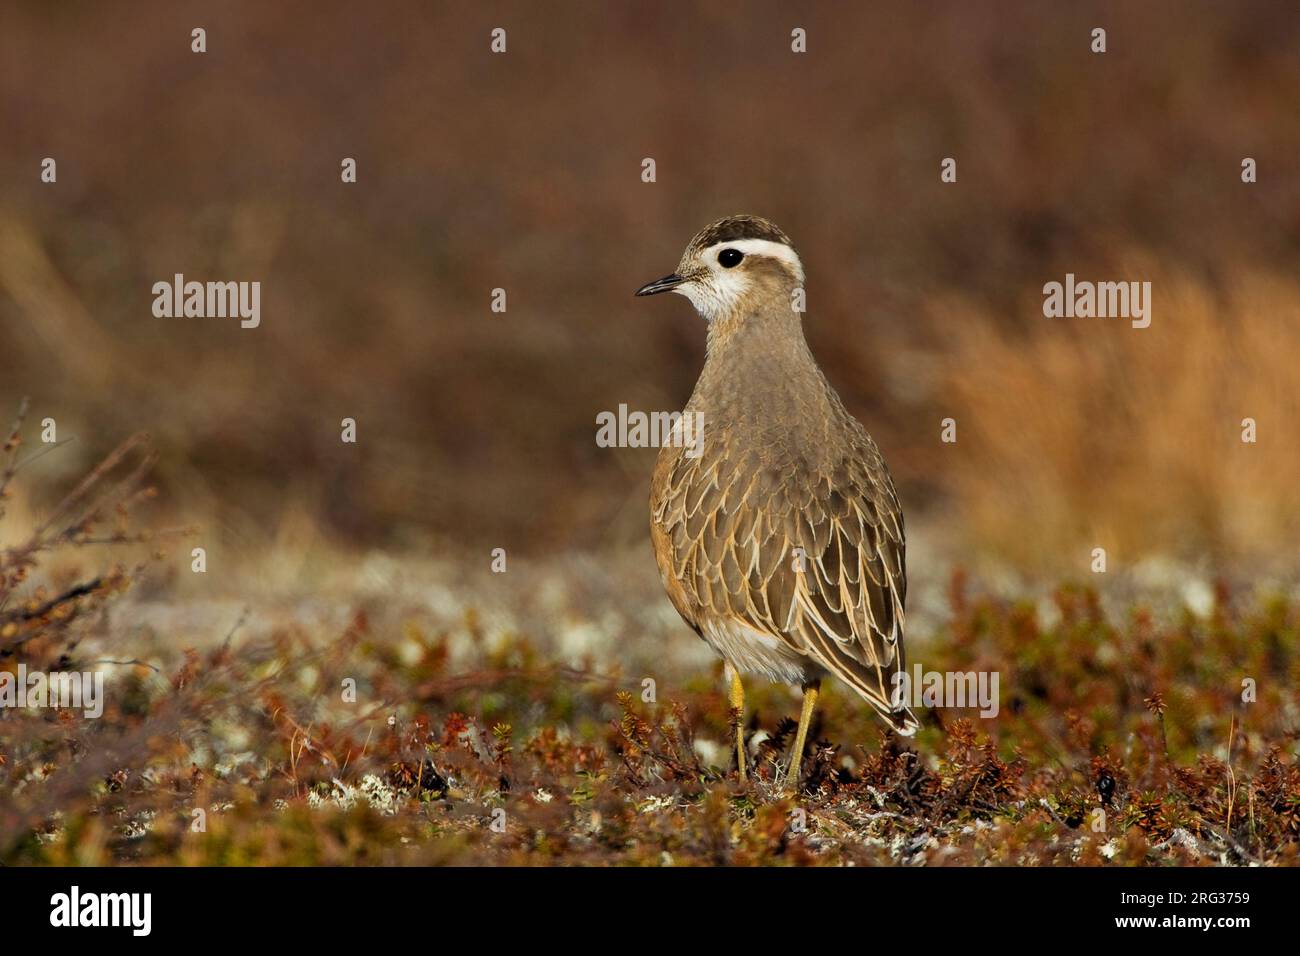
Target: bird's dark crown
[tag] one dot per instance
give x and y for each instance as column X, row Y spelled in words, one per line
column 734, row 228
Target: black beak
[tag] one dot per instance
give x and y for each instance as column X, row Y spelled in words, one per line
column 666, row 284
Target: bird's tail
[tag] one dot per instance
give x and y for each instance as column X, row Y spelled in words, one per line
column 890, row 707
column 902, row 721
column 884, row 695
column 878, row 687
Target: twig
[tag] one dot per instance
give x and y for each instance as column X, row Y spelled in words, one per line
column 132, row 661
column 12, row 442
column 243, row 616
column 37, row 455
column 1042, row 802
column 83, row 488
column 1232, row 777
column 142, row 537
column 81, row 590
column 1227, row 838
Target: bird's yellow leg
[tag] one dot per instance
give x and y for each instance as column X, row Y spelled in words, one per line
column 805, row 718
column 736, row 699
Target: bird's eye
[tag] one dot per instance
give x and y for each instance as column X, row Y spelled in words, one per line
column 730, row 257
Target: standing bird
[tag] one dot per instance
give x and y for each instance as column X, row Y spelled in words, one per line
column 780, row 540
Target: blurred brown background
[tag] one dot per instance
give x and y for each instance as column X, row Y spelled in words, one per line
column 523, row 171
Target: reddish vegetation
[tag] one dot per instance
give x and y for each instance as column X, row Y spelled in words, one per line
column 1124, row 743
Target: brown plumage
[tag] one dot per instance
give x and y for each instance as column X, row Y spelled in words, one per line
column 782, row 543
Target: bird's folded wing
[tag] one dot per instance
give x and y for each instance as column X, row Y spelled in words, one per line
column 817, row 563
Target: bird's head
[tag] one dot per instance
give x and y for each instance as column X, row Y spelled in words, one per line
column 735, row 262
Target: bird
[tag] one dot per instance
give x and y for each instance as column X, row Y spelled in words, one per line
column 779, row 535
